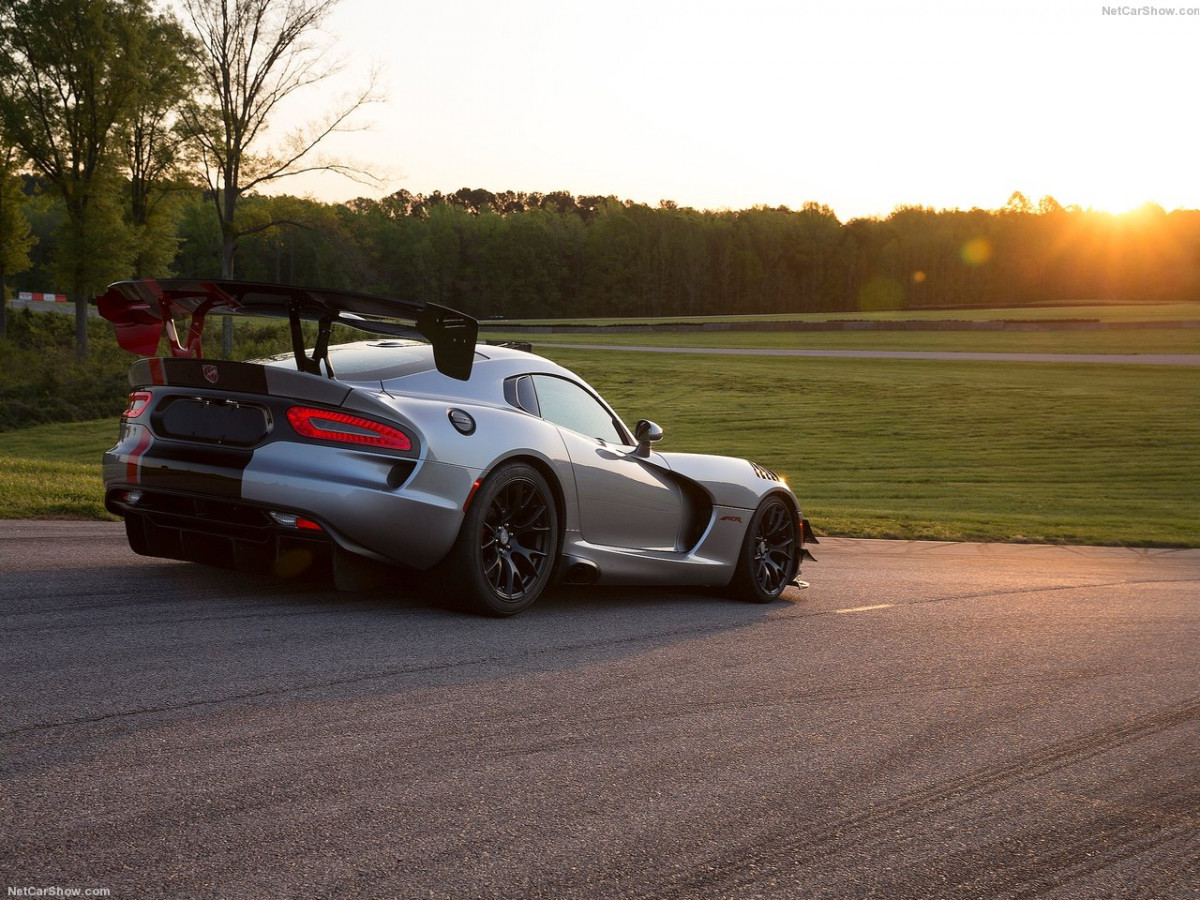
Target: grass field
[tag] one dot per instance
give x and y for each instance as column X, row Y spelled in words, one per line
column 1165, row 339
column 1151, row 340
column 1099, row 311
column 1094, row 454
column 914, row 449
column 54, row 470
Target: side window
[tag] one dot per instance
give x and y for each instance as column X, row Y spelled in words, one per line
column 520, row 393
column 567, row 404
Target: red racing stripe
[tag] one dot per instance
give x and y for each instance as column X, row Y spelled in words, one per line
column 133, row 462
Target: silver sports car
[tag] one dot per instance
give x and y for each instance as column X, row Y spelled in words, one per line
column 493, row 468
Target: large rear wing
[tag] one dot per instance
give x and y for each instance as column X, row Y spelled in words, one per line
column 142, row 311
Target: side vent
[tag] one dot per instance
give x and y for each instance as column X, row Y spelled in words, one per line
column 764, row 473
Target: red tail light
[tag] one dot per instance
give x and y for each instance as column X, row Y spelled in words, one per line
column 343, row 428
column 138, row 401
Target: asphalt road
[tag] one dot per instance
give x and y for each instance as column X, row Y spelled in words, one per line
column 927, row 720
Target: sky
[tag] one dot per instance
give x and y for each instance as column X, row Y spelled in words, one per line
column 861, row 106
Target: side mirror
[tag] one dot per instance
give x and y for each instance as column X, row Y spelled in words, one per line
column 646, row 433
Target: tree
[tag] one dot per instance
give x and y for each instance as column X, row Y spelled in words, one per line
column 153, row 143
column 1048, row 206
column 68, row 73
column 16, row 236
column 253, row 55
column 1018, row 204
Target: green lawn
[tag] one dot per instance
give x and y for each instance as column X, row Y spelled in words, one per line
column 54, row 470
column 1097, row 454
column 1098, row 310
column 913, row 449
column 1150, row 340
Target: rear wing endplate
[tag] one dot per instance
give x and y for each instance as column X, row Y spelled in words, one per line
column 142, row 311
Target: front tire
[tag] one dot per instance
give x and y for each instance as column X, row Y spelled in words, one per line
column 770, row 554
column 505, row 553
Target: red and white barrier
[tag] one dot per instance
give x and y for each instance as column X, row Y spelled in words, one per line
column 44, row 298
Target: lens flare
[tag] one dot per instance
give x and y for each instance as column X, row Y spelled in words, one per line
column 976, row 251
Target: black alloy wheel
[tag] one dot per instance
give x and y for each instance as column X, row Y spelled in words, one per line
column 770, row 553
column 508, row 543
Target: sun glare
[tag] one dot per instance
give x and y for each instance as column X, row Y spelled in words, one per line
column 1114, row 199
column 1121, row 207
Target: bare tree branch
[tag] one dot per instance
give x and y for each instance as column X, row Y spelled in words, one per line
column 255, row 54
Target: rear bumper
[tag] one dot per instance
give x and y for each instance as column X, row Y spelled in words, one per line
column 401, row 511
column 217, row 532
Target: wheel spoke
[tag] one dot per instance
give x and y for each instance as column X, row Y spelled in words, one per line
column 491, row 569
column 507, row 576
column 772, row 575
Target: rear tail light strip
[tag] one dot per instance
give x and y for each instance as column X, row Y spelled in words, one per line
column 343, row 428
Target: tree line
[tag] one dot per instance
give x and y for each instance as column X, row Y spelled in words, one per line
column 513, row 254
column 530, row 255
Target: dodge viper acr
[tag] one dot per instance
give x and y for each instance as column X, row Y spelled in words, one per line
column 494, row 469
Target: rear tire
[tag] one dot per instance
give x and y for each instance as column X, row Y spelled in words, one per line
column 505, row 553
column 770, row 555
